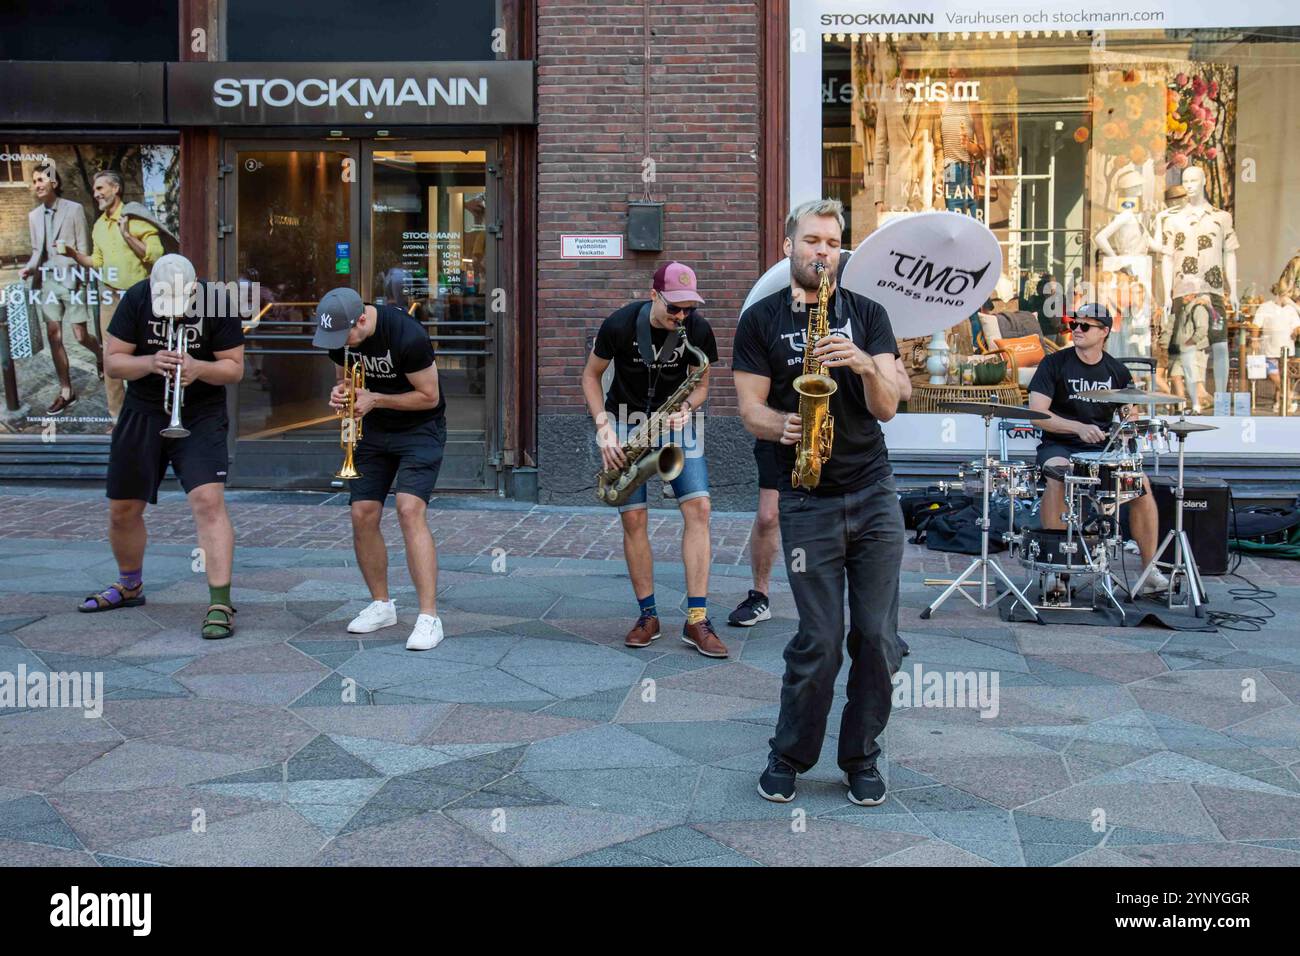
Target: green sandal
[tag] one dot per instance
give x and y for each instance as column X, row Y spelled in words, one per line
column 219, row 623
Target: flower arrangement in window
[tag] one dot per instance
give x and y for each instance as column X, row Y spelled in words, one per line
column 1200, row 111
column 1128, row 115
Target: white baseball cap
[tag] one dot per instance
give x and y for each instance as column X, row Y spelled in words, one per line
column 172, row 285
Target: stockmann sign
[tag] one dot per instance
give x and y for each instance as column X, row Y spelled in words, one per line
column 209, row 93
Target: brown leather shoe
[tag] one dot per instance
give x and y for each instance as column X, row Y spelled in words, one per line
column 704, row 639
column 645, row 631
column 61, row 404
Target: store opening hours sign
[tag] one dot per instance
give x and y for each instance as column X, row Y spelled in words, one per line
column 574, row 246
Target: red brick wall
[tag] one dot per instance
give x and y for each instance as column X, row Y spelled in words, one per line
column 704, row 102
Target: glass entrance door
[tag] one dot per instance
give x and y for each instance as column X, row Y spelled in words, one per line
column 404, row 225
column 430, row 244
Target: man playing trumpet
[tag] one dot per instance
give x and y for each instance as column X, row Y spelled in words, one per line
column 403, row 429
column 210, row 357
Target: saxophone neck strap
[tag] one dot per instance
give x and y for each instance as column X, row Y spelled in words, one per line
column 649, row 355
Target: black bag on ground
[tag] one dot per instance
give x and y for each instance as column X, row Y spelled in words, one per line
column 919, row 505
column 1264, row 524
column 959, row 531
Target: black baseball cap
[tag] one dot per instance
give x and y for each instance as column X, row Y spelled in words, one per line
column 1097, row 312
column 336, row 314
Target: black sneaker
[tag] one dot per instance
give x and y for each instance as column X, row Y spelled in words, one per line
column 866, row 787
column 902, row 645
column 777, row 782
column 751, row 610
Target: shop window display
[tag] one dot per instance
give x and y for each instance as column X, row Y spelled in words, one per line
column 1148, row 171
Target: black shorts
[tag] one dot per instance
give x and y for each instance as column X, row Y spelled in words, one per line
column 412, row 457
column 1048, row 450
column 769, row 467
column 140, row 455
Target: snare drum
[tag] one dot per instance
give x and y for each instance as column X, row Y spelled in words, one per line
column 1118, row 474
column 1006, row 478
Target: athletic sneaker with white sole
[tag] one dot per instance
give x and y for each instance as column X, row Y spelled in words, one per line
column 427, row 634
column 378, row 614
column 750, row 611
column 1155, row 582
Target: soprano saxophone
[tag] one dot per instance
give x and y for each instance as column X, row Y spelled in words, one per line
column 615, row 485
column 815, row 389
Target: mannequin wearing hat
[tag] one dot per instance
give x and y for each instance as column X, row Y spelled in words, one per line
column 1125, row 247
column 1199, row 265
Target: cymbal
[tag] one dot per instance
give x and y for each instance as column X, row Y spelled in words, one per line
column 1181, row 428
column 1129, row 396
column 994, row 410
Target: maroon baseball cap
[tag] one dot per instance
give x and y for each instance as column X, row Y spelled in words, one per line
column 676, row 283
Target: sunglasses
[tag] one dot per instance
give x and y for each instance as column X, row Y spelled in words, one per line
column 678, row 310
column 1074, row 326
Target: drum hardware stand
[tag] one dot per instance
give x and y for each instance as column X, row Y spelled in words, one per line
column 1097, row 567
column 1184, row 562
column 984, row 562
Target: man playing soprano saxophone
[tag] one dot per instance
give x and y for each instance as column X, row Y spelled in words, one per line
column 848, row 525
column 646, row 342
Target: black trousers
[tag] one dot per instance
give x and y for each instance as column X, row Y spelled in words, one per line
column 855, row 538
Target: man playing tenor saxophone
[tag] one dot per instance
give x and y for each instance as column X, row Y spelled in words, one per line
column 839, row 516
column 646, row 341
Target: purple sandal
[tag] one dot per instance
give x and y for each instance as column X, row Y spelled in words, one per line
column 104, row 600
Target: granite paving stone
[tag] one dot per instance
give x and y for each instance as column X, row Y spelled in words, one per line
column 533, row 736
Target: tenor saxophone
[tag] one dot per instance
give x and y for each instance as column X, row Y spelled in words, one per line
column 615, row 485
column 815, row 389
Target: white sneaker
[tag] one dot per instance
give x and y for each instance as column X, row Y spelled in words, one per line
column 427, row 634
column 378, row 614
column 1155, row 582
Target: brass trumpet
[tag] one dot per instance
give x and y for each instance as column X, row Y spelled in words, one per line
column 179, row 338
column 354, row 375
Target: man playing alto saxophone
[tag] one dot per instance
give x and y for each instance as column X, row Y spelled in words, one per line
column 848, row 524
column 646, row 342
column 401, row 444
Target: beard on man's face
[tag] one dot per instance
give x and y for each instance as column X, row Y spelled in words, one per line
column 805, row 272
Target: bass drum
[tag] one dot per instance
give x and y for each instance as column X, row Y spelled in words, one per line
column 1043, row 550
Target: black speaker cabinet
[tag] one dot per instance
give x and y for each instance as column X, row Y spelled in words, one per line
column 1205, row 518
column 645, row 226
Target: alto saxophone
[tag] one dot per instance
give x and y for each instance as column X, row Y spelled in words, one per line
column 615, row 485
column 815, row 389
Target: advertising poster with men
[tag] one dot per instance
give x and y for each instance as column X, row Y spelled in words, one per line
column 79, row 224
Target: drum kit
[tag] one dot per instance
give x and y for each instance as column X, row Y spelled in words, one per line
column 1089, row 548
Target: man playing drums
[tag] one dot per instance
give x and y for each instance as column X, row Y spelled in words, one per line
column 1077, row 425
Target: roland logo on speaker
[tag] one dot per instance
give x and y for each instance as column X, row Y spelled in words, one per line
column 1192, row 504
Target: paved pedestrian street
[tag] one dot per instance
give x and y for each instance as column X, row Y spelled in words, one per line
column 532, row 736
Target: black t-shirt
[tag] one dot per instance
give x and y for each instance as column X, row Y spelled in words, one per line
column 134, row 322
column 770, row 341
column 399, row 346
column 616, row 342
column 1062, row 374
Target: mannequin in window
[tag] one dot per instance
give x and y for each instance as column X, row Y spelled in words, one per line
column 1200, row 256
column 908, row 144
column 964, row 135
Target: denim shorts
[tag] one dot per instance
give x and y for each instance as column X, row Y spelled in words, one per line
column 693, row 482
